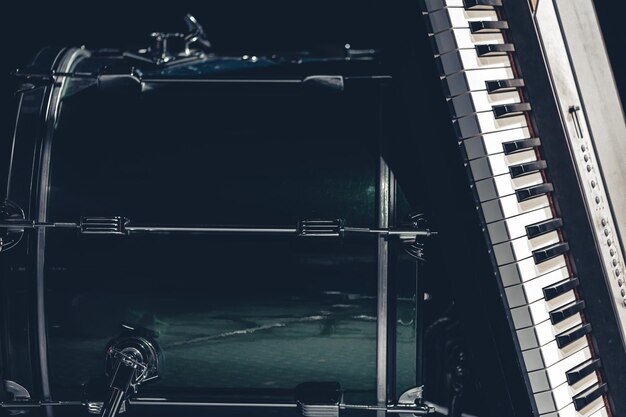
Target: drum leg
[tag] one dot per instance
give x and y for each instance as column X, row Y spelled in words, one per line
column 131, row 360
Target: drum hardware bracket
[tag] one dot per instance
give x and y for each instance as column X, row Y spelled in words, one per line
column 49, row 77
column 125, row 76
column 13, row 223
column 324, row 399
column 175, row 48
column 19, row 393
column 131, row 360
column 412, row 396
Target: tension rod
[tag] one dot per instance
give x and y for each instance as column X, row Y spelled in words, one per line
column 123, row 226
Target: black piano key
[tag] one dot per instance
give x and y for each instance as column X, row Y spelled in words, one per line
column 481, row 4
column 543, row 227
column 552, row 251
column 490, row 26
column 586, row 368
column 520, row 145
column 432, row 5
column 508, row 110
column 571, row 335
column 494, row 49
column 587, row 396
column 534, row 191
column 560, row 288
column 527, row 168
column 501, row 86
column 569, row 310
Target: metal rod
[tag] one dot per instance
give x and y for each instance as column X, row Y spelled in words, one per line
column 155, row 401
column 392, row 409
column 174, row 229
column 159, row 402
column 165, row 402
column 222, row 81
column 26, row 404
column 218, row 229
column 383, row 290
column 112, row 406
column 392, row 302
column 419, row 329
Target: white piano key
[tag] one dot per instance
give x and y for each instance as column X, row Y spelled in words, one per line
column 463, row 39
column 595, row 409
column 526, row 269
column 559, row 397
column 508, row 206
column 522, row 248
column 531, row 291
column 539, row 311
column 545, row 332
column 492, row 143
column 600, row 413
column 480, row 101
column 555, row 375
column 453, row 39
column 453, row 17
column 548, row 355
column 498, row 164
column 486, row 122
column 474, row 80
column 503, row 185
column 514, row 227
column 468, row 59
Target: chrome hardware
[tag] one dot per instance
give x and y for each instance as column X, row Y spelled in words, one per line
column 412, row 396
column 196, row 36
column 96, row 407
column 11, row 216
column 131, row 360
column 324, row 399
column 161, row 48
column 174, row 47
column 412, row 244
column 330, row 228
column 114, row 225
column 19, row 392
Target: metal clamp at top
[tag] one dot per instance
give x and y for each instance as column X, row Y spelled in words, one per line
column 173, row 47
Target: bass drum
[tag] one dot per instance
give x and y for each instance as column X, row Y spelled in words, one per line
column 173, row 203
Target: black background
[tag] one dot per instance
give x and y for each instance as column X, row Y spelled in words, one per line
column 234, row 25
column 231, row 25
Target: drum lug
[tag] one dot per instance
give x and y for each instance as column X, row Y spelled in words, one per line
column 329, row 228
column 19, row 392
column 112, row 225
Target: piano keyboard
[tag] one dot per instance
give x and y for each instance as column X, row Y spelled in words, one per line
column 503, row 159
